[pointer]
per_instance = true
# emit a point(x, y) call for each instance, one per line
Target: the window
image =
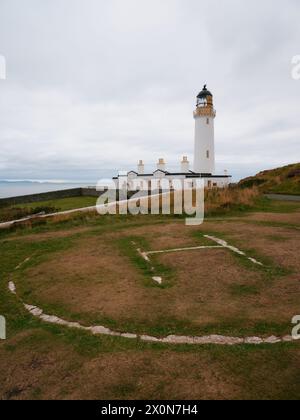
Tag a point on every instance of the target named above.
point(207, 154)
point(207, 120)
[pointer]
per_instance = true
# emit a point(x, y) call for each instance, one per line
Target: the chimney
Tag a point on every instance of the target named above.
point(141, 168)
point(185, 165)
point(161, 165)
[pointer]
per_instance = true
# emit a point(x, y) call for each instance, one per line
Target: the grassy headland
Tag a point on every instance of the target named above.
point(285, 180)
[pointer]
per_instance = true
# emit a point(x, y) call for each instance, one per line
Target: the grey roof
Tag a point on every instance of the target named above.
point(189, 174)
point(160, 170)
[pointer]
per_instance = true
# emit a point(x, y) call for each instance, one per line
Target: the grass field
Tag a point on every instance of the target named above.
point(64, 204)
point(86, 268)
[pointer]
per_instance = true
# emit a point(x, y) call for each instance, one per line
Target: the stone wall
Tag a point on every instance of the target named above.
point(90, 192)
point(52, 195)
point(55, 195)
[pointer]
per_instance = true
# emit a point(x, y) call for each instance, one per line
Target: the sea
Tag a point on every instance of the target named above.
point(14, 188)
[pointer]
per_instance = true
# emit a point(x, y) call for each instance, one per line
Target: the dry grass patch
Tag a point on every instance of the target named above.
point(43, 366)
point(220, 200)
point(166, 236)
point(49, 235)
point(94, 282)
point(204, 278)
point(278, 298)
point(262, 240)
point(212, 291)
point(90, 278)
point(291, 218)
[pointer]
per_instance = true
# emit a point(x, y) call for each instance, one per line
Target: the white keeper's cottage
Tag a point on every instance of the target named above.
point(204, 152)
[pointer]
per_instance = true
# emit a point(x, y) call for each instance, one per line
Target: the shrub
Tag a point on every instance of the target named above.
point(252, 182)
point(220, 200)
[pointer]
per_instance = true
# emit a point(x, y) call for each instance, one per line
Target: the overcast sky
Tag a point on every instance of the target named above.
point(94, 85)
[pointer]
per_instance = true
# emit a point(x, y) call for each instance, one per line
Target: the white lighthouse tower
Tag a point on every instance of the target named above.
point(204, 152)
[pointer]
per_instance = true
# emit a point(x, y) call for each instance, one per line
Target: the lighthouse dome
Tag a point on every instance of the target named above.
point(204, 93)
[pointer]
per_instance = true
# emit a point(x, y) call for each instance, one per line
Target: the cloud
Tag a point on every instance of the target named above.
point(93, 86)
